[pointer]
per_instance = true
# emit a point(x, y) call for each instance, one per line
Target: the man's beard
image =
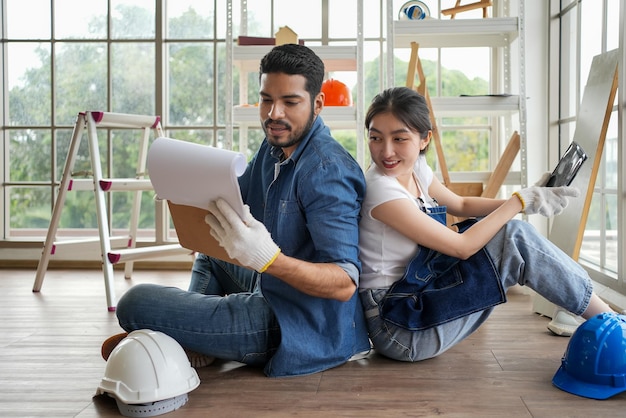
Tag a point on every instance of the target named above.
point(294, 137)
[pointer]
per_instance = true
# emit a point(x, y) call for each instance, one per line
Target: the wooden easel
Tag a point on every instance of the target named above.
point(471, 189)
point(458, 8)
point(591, 126)
point(416, 65)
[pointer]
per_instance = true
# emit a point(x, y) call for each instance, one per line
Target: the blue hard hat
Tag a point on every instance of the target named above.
point(594, 363)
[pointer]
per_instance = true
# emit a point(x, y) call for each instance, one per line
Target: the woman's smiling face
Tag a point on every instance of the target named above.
point(393, 146)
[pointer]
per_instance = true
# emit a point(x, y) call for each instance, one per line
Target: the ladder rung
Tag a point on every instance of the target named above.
point(80, 184)
point(131, 254)
point(125, 184)
point(121, 241)
point(122, 120)
point(109, 185)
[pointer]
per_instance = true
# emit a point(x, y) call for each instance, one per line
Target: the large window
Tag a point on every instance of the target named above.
point(168, 58)
point(123, 56)
point(588, 28)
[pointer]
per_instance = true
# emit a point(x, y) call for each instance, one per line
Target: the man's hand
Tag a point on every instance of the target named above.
point(546, 201)
point(245, 240)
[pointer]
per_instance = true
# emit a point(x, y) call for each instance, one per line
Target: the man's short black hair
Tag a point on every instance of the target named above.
point(295, 59)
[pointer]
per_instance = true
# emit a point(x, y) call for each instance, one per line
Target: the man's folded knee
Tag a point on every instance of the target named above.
point(133, 299)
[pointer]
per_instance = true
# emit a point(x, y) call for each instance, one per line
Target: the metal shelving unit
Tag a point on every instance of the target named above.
point(505, 36)
point(336, 58)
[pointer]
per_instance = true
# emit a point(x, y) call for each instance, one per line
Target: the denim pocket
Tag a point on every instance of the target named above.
point(291, 227)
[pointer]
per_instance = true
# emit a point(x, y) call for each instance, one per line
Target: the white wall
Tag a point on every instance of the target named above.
point(537, 13)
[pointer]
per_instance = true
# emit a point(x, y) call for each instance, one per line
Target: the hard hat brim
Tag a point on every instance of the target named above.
point(152, 409)
point(567, 383)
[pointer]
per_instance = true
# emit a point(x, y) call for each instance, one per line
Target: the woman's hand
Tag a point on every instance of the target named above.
point(546, 201)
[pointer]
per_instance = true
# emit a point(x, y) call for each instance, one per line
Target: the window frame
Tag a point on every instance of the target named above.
point(566, 43)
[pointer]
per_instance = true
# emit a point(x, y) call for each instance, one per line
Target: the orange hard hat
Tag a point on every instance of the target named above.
point(336, 93)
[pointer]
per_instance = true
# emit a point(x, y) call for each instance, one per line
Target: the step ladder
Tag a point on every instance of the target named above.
point(114, 249)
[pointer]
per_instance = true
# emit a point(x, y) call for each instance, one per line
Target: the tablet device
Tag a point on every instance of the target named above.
point(568, 166)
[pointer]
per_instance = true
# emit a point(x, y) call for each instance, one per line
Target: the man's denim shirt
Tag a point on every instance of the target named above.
point(310, 203)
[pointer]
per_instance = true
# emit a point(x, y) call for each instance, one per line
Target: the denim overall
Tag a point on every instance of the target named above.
point(437, 288)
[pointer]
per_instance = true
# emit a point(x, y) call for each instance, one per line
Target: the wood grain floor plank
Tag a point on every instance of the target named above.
point(50, 365)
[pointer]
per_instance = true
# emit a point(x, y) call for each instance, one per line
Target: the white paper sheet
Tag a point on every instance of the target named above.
point(194, 175)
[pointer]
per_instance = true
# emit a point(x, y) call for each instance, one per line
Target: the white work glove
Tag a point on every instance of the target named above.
point(245, 240)
point(546, 201)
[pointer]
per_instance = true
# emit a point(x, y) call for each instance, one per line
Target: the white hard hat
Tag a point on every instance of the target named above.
point(148, 374)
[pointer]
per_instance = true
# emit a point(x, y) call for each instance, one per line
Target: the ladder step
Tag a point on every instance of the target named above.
point(120, 241)
point(123, 120)
point(125, 184)
point(80, 184)
point(130, 254)
point(109, 185)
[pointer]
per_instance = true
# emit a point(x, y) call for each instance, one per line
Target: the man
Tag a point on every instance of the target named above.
point(295, 309)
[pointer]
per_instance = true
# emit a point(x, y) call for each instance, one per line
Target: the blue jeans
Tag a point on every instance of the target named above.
point(222, 315)
point(522, 256)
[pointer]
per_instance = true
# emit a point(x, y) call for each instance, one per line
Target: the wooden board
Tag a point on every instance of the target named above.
point(50, 365)
point(466, 189)
point(591, 127)
point(458, 8)
point(415, 65)
point(502, 168)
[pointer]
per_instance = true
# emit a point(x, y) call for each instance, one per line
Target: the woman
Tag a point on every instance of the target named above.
point(425, 287)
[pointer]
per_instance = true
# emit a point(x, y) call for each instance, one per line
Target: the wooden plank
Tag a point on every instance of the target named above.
point(459, 8)
point(410, 74)
point(422, 89)
point(502, 168)
point(466, 189)
point(51, 365)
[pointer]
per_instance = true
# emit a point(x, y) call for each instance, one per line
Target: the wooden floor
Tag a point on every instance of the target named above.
point(50, 365)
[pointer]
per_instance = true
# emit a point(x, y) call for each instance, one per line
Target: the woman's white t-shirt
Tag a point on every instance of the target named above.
point(385, 252)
